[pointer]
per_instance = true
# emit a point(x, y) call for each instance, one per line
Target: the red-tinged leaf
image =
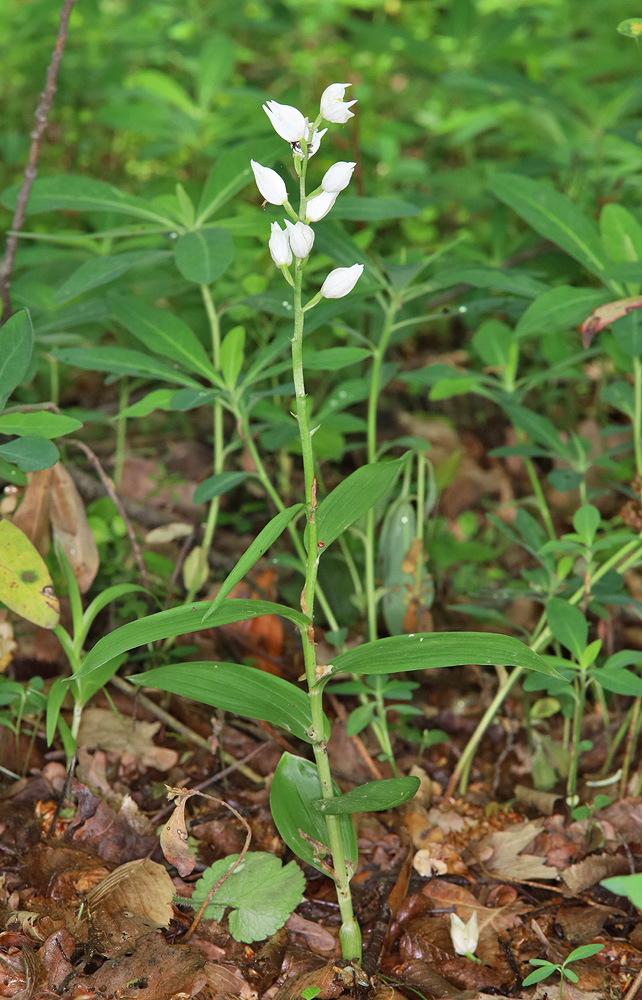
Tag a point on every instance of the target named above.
point(607, 314)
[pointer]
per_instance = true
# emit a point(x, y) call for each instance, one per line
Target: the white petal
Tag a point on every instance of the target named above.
point(341, 281)
point(319, 206)
point(288, 122)
point(270, 184)
point(337, 177)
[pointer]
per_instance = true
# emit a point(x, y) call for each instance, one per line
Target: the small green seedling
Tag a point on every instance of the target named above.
point(547, 968)
point(310, 992)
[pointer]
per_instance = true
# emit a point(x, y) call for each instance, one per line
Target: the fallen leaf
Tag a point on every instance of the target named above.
point(174, 836)
point(71, 528)
point(100, 727)
point(500, 853)
point(493, 921)
point(592, 870)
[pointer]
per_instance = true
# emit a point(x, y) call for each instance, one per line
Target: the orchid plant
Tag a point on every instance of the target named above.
point(311, 813)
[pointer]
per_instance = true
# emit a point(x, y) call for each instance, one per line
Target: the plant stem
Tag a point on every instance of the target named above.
point(350, 934)
point(637, 415)
point(121, 430)
point(200, 574)
point(373, 401)
point(633, 551)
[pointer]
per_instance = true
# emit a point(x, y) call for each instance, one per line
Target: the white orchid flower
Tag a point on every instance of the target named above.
point(279, 245)
point(301, 238)
point(319, 206)
point(271, 186)
point(337, 177)
point(464, 935)
point(341, 281)
point(288, 122)
point(333, 108)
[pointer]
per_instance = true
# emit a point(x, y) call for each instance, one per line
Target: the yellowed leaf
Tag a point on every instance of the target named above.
point(25, 583)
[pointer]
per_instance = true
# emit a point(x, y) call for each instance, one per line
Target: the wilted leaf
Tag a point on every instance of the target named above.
point(100, 727)
point(174, 836)
point(34, 511)
point(501, 854)
point(69, 522)
point(607, 314)
point(25, 583)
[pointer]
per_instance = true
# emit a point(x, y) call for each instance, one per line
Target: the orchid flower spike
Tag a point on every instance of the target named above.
point(333, 108)
point(288, 122)
point(279, 245)
point(270, 184)
point(341, 281)
point(313, 140)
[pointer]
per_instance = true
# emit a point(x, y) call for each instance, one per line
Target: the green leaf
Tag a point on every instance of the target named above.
point(16, 344)
point(586, 521)
point(176, 621)
point(159, 399)
point(190, 399)
point(269, 534)
point(618, 681)
point(234, 688)
point(493, 342)
point(374, 796)
point(231, 361)
point(82, 194)
point(294, 792)
point(436, 649)
point(165, 87)
point(353, 497)
point(162, 332)
point(562, 308)
point(102, 270)
point(30, 453)
point(203, 255)
point(539, 974)
point(38, 422)
point(331, 359)
point(632, 28)
point(626, 885)
point(123, 361)
point(568, 625)
point(261, 892)
point(538, 428)
point(25, 583)
point(553, 216)
point(231, 172)
point(373, 209)
point(565, 479)
point(584, 951)
point(396, 535)
point(359, 718)
point(621, 234)
point(218, 484)
point(55, 697)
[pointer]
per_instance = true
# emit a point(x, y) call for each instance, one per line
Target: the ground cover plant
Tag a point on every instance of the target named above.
point(356, 470)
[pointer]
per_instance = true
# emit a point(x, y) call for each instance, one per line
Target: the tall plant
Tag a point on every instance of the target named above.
point(312, 815)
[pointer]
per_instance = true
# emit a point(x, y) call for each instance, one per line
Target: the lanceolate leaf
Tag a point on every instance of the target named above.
point(235, 688)
point(354, 496)
point(16, 343)
point(204, 254)
point(123, 361)
point(162, 332)
point(102, 270)
point(272, 530)
point(436, 649)
point(82, 194)
point(373, 796)
point(293, 795)
point(553, 216)
point(47, 425)
point(176, 621)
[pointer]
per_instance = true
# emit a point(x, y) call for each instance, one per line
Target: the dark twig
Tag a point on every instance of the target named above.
point(31, 170)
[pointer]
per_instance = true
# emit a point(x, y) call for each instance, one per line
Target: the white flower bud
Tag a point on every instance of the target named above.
point(341, 281)
point(279, 245)
point(301, 238)
point(337, 177)
point(271, 186)
point(287, 121)
point(319, 206)
point(464, 936)
point(333, 108)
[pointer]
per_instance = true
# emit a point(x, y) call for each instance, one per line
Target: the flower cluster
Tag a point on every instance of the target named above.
point(297, 239)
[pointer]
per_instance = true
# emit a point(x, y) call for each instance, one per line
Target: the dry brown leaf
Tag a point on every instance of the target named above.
point(500, 853)
point(493, 922)
point(174, 836)
point(70, 525)
point(33, 514)
point(592, 870)
point(141, 887)
point(317, 937)
point(100, 727)
point(225, 980)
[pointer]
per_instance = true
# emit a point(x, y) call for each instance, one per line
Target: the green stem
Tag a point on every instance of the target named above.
point(121, 430)
point(637, 415)
point(537, 490)
point(200, 573)
point(632, 550)
point(571, 784)
point(350, 935)
point(373, 402)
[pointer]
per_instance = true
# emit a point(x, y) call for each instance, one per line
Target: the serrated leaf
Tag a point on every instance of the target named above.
point(261, 892)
